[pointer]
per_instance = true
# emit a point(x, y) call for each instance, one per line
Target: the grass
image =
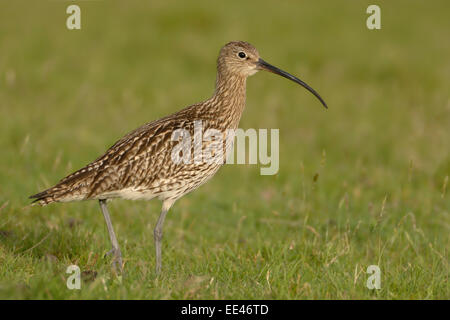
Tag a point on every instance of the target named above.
point(364, 183)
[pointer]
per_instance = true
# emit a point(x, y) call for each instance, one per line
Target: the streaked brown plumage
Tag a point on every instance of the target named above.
point(139, 166)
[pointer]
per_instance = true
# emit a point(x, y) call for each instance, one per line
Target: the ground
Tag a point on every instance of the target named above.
point(363, 183)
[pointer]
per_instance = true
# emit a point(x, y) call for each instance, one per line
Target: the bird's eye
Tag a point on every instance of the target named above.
point(241, 55)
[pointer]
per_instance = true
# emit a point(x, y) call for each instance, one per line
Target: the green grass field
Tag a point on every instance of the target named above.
point(364, 183)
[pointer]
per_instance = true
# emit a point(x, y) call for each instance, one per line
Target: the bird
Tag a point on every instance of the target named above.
point(140, 166)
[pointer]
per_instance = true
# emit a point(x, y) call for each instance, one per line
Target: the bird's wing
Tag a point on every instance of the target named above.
point(122, 163)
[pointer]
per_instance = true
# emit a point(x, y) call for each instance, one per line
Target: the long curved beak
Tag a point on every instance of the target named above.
point(268, 67)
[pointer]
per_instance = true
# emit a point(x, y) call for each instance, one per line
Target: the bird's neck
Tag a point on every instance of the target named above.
point(229, 98)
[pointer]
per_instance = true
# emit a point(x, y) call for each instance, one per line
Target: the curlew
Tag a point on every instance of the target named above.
point(141, 165)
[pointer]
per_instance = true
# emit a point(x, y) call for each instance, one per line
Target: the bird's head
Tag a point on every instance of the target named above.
point(242, 59)
point(238, 57)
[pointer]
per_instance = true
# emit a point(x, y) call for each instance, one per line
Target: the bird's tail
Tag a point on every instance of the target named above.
point(43, 198)
point(72, 188)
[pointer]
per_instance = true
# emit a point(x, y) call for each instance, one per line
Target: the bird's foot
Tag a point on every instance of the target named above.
point(116, 259)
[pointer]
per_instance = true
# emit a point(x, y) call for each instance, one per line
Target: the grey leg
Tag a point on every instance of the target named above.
point(158, 233)
point(117, 255)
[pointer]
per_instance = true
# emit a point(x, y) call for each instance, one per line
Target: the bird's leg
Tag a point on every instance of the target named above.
point(158, 233)
point(117, 255)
